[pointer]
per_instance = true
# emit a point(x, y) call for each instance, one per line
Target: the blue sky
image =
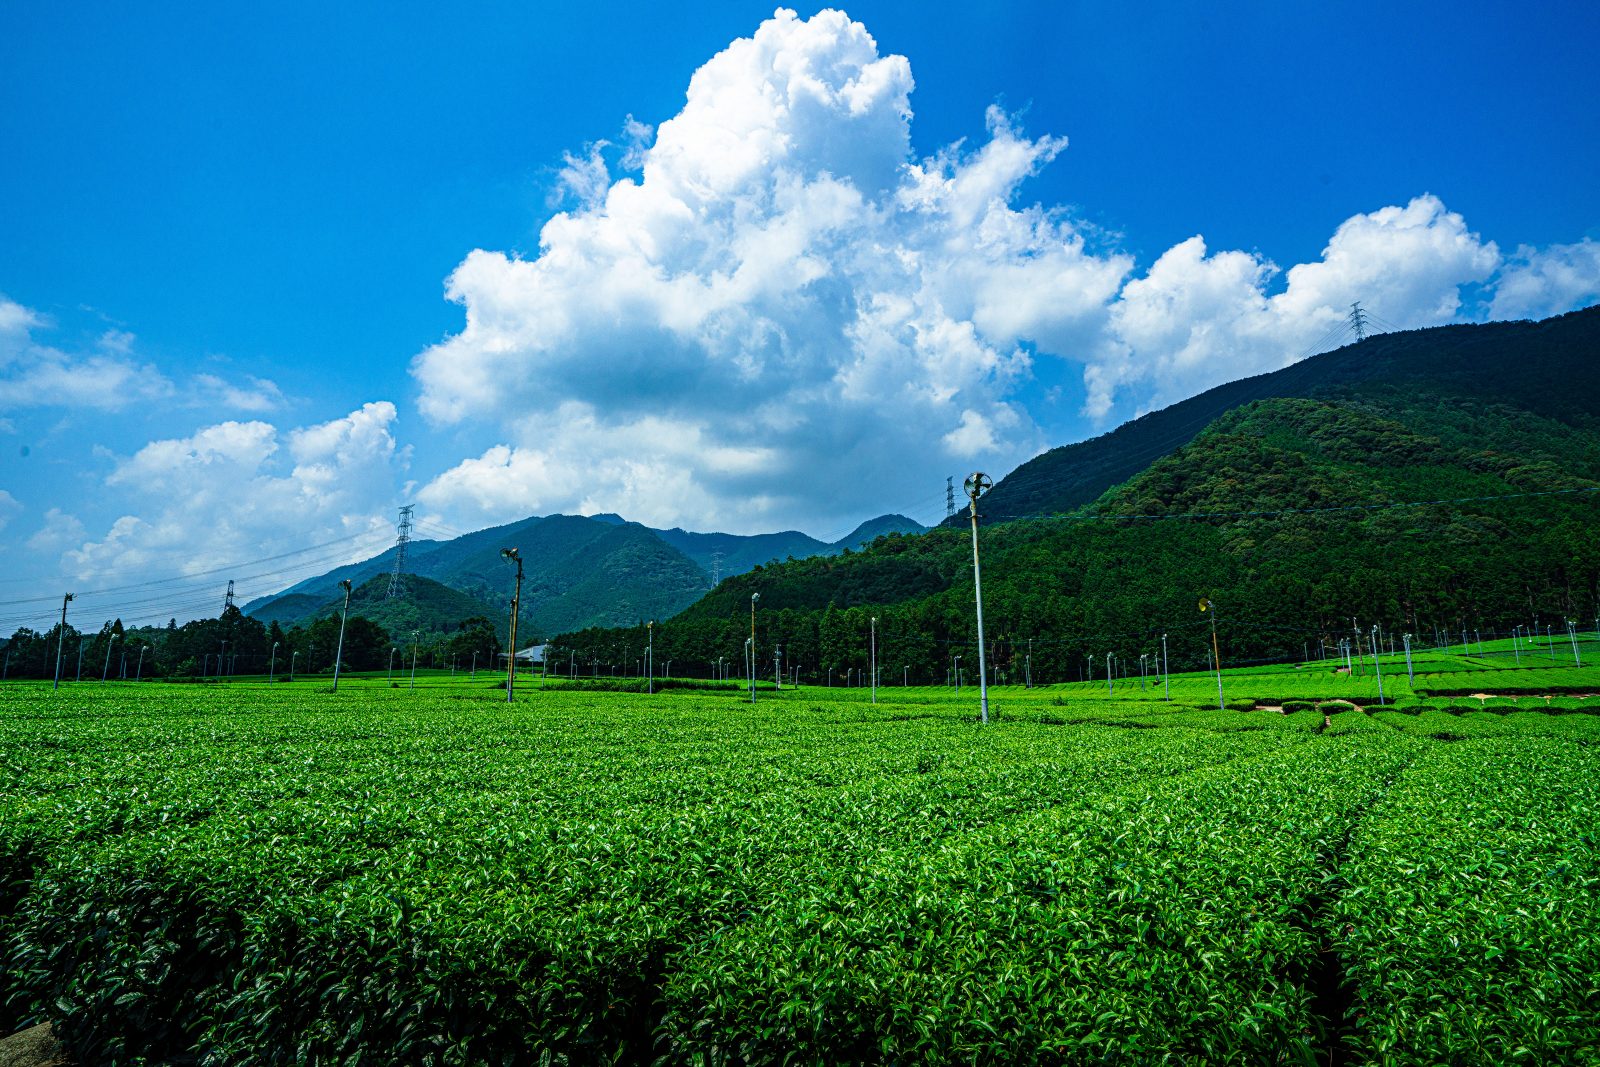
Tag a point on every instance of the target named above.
point(225, 239)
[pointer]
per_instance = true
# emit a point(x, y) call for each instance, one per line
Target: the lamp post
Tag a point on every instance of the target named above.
point(511, 555)
point(754, 597)
point(976, 484)
point(339, 653)
point(1216, 653)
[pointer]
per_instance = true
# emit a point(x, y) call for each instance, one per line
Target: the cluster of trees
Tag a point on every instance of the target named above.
point(234, 644)
point(1278, 513)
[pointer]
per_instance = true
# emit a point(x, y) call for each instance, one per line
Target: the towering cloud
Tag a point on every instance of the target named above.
point(780, 315)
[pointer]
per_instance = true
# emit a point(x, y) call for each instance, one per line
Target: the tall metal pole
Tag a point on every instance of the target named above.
point(1572, 632)
point(392, 650)
point(649, 655)
point(272, 668)
point(61, 640)
point(976, 485)
point(1110, 685)
point(1166, 675)
point(292, 657)
point(513, 556)
point(107, 668)
point(1027, 665)
point(1377, 663)
point(414, 634)
point(1216, 651)
point(138, 670)
point(754, 597)
point(339, 654)
point(750, 666)
point(874, 659)
point(1411, 675)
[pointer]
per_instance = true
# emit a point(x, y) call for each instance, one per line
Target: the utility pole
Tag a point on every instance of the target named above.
point(61, 640)
point(1166, 674)
point(1216, 653)
point(510, 555)
point(875, 659)
point(339, 655)
point(976, 485)
point(751, 658)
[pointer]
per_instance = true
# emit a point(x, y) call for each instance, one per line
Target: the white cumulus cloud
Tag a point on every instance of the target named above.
point(238, 491)
point(776, 312)
point(1535, 283)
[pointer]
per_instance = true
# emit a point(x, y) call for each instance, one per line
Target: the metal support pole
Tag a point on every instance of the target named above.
point(976, 485)
point(1377, 663)
point(874, 659)
point(1410, 674)
point(61, 640)
point(1166, 676)
point(513, 556)
point(339, 653)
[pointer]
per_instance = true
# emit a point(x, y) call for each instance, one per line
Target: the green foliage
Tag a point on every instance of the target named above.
point(280, 875)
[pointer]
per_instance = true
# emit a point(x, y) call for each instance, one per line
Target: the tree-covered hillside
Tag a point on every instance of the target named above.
point(1543, 367)
point(1294, 515)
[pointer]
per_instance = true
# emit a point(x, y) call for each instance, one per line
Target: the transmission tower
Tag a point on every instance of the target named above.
point(401, 540)
point(227, 601)
point(716, 569)
point(949, 496)
point(1358, 321)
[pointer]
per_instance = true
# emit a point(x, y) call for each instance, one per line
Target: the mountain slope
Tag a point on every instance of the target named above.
point(1551, 374)
point(423, 604)
point(1292, 514)
point(578, 571)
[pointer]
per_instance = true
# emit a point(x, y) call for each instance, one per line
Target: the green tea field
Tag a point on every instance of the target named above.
point(245, 874)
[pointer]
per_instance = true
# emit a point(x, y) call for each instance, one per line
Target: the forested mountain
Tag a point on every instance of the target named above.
point(1293, 514)
point(578, 571)
point(1544, 367)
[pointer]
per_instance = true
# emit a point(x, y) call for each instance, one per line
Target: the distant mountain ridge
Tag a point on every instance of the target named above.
point(579, 571)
